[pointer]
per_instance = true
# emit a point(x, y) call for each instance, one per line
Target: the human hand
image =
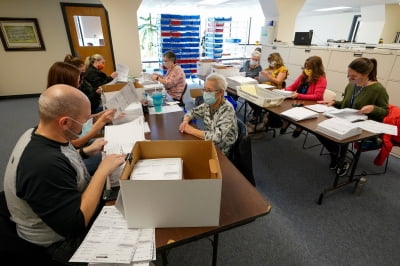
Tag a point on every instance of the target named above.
point(110, 163)
point(329, 103)
point(154, 77)
point(367, 109)
point(114, 75)
point(294, 95)
point(98, 91)
point(183, 125)
point(107, 116)
point(96, 146)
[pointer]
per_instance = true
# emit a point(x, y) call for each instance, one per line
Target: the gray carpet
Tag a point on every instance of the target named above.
point(347, 229)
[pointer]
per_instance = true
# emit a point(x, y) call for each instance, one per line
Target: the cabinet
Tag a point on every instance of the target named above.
point(181, 34)
point(214, 37)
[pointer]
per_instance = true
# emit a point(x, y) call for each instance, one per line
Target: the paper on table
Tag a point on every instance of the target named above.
point(319, 108)
point(283, 92)
point(348, 114)
point(166, 109)
point(251, 89)
point(299, 113)
point(377, 127)
point(110, 241)
point(158, 169)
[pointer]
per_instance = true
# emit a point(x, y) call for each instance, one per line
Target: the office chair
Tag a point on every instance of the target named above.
point(15, 249)
point(181, 103)
point(241, 154)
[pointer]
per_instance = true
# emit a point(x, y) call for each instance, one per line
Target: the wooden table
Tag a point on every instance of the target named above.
point(310, 125)
point(241, 203)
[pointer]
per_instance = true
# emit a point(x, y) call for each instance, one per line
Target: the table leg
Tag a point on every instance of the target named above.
point(215, 249)
point(164, 258)
point(336, 184)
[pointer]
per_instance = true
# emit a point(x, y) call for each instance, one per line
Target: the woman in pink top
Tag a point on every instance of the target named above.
point(175, 80)
point(310, 85)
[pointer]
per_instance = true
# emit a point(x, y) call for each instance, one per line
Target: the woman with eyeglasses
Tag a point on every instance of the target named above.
point(174, 80)
point(309, 85)
point(220, 124)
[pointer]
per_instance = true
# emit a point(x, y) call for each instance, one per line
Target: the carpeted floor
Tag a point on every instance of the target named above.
point(347, 229)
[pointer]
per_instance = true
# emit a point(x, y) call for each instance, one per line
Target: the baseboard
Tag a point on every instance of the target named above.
point(19, 96)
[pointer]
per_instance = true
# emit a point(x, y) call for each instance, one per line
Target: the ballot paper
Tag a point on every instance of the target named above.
point(122, 99)
point(348, 114)
point(109, 240)
point(377, 127)
point(338, 128)
point(283, 92)
point(158, 169)
point(299, 113)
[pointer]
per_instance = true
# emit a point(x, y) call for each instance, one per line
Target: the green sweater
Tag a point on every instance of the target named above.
point(374, 94)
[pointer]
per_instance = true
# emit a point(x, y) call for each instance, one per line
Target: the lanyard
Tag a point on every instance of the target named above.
point(356, 93)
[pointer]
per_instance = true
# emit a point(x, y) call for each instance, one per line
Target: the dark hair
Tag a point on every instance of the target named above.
point(365, 66)
point(170, 55)
point(315, 64)
point(74, 60)
point(258, 49)
point(63, 73)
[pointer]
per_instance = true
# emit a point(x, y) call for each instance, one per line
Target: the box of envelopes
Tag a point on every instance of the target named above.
point(191, 201)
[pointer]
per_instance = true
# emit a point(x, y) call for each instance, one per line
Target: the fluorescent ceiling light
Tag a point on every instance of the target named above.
point(211, 2)
point(332, 8)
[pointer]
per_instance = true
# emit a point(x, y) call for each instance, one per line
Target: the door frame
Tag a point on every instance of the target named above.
point(71, 45)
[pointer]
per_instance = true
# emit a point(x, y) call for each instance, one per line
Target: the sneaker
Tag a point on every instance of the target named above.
point(342, 171)
point(296, 133)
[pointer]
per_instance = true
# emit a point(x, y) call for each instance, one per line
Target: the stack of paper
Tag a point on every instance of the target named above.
point(110, 242)
point(338, 128)
point(235, 81)
point(299, 113)
point(158, 169)
point(348, 114)
point(284, 93)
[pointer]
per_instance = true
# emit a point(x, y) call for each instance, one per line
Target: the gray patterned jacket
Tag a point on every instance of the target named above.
point(220, 126)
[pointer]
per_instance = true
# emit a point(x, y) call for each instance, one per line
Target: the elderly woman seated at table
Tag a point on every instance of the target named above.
point(219, 117)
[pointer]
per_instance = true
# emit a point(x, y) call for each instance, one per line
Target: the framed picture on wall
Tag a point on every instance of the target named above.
point(21, 34)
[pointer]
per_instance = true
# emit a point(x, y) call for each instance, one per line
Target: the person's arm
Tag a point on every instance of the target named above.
point(317, 90)
point(92, 194)
point(295, 85)
point(171, 80)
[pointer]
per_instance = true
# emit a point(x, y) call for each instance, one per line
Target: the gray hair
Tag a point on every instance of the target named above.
point(256, 54)
point(219, 79)
point(60, 100)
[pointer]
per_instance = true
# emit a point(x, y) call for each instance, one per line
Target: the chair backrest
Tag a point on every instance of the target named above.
point(329, 95)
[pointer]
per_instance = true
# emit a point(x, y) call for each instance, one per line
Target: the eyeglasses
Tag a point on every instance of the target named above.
point(78, 121)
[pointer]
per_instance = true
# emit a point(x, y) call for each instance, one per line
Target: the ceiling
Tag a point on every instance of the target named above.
point(249, 7)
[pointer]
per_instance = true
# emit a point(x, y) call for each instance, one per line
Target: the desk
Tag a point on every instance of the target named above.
point(310, 125)
point(241, 203)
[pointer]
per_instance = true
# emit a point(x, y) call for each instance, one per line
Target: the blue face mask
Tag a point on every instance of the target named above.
point(209, 97)
point(86, 127)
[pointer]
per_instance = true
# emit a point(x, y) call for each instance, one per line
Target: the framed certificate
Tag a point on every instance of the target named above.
point(21, 34)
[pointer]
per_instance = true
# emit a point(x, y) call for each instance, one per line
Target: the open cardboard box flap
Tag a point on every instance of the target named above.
point(191, 202)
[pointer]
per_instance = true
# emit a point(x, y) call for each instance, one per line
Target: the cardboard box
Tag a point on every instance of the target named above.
point(191, 202)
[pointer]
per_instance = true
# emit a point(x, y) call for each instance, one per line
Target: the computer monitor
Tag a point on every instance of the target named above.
point(303, 38)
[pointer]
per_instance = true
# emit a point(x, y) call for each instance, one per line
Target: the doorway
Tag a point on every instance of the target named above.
point(88, 32)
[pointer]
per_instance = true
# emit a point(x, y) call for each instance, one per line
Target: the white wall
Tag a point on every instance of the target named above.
point(26, 72)
point(335, 26)
point(372, 22)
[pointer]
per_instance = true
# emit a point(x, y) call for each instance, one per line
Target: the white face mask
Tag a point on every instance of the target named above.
point(253, 62)
point(272, 64)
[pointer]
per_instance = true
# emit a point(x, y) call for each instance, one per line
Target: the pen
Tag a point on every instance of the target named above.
point(101, 257)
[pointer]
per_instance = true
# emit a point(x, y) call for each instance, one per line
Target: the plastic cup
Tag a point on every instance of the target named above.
point(157, 101)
